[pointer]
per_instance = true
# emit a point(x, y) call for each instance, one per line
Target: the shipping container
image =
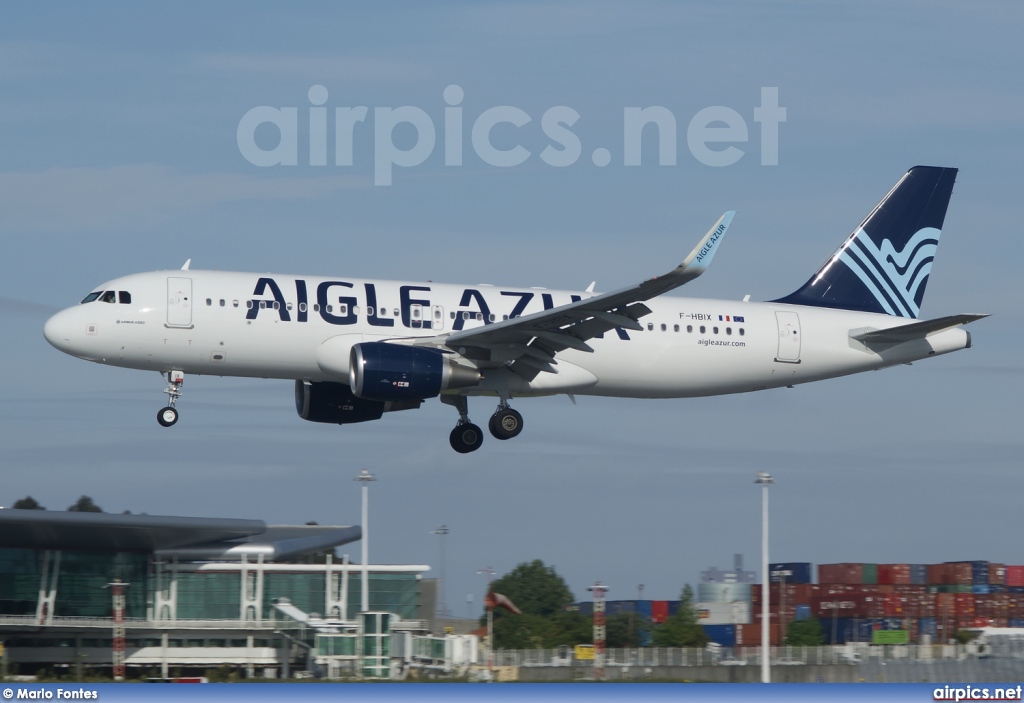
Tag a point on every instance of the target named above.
point(643, 609)
point(790, 572)
point(927, 626)
point(619, 607)
point(1015, 622)
point(723, 613)
point(724, 635)
point(673, 607)
point(750, 635)
point(981, 588)
point(964, 605)
point(1015, 589)
point(997, 574)
point(788, 614)
point(979, 572)
point(659, 611)
point(1015, 576)
point(869, 573)
point(585, 608)
point(795, 593)
point(803, 612)
point(919, 574)
point(894, 574)
point(841, 573)
point(938, 574)
point(910, 588)
point(960, 572)
point(851, 606)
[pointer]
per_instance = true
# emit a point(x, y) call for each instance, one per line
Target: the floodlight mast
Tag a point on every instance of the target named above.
point(599, 589)
point(365, 477)
point(765, 479)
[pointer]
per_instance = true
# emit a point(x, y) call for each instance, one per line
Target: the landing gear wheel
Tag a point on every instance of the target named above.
point(505, 424)
point(167, 417)
point(466, 438)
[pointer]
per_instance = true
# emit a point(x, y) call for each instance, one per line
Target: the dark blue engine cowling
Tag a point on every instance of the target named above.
point(334, 403)
point(389, 372)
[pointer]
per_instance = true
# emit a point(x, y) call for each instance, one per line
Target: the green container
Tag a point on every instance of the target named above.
point(869, 574)
point(890, 637)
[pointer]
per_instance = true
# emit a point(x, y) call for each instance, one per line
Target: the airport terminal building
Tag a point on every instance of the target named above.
point(200, 594)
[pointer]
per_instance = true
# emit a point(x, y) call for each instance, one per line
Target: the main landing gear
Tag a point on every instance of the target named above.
point(168, 416)
point(505, 423)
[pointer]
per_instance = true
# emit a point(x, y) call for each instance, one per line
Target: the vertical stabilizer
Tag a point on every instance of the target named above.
point(884, 265)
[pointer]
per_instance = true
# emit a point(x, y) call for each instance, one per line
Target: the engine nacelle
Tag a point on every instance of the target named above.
point(335, 403)
point(379, 371)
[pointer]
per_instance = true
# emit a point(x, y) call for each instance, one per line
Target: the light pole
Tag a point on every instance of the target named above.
point(365, 477)
point(765, 479)
point(490, 622)
point(442, 609)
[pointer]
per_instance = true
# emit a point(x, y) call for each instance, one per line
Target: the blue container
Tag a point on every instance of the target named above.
point(1016, 622)
point(673, 605)
point(837, 630)
point(790, 572)
point(643, 608)
point(928, 626)
point(617, 607)
point(982, 589)
point(645, 638)
point(979, 572)
point(1015, 589)
point(919, 574)
point(724, 635)
point(803, 612)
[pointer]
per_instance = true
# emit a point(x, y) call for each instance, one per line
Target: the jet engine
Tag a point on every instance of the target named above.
point(394, 372)
point(335, 403)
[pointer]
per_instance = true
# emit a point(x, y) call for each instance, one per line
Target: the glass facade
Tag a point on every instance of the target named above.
point(209, 596)
point(83, 576)
point(19, 581)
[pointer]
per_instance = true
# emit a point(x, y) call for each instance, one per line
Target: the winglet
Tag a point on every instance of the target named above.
point(187, 262)
point(700, 258)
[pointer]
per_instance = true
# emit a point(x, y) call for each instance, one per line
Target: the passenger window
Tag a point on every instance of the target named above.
point(369, 312)
point(383, 312)
point(222, 302)
point(289, 306)
point(465, 316)
point(689, 328)
point(302, 307)
point(263, 304)
point(355, 309)
point(702, 328)
point(741, 331)
point(715, 329)
point(330, 308)
point(479, 316)
point(728, 330)
point(451, 314)
point(492, 318)
point(124, 297)
point(209, 302)
point(248, 304)
point(397, 312)
point(277, 305)
point(234, 303)
point(91, 297)
point(108, 297)
point(316, 307)
point(675, 328)
point(650, 326)
point(664, 327)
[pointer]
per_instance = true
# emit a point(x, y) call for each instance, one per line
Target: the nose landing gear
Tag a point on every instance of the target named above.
point(169, 415)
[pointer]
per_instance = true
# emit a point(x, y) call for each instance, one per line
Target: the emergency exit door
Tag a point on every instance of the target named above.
point(179, 302)
point(789, 337)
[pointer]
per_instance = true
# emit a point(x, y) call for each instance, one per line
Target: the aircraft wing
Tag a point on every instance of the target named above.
point(915, 330)
point(531, 341)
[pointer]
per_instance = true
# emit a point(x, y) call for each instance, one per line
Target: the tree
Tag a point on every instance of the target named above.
point(85, 505)
point(681, 629)
point(27, 503)
point(543, 596)
point(626, 630)
point(805, 633)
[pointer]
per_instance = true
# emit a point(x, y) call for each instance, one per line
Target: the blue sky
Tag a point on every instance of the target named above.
point(119, 154)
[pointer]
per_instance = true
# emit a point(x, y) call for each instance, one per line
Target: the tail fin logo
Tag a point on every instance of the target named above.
point(895, 278)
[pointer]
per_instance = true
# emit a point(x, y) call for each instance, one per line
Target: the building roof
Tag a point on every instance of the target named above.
point(187, 538)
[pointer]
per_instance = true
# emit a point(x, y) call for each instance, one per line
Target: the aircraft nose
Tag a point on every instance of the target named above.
point(57, 330)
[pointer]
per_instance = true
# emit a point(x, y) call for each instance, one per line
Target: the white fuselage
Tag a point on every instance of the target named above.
point(302, 327)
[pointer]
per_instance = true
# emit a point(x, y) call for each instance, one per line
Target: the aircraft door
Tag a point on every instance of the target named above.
point(789, 337)
point(179, 302)
point(438, 317)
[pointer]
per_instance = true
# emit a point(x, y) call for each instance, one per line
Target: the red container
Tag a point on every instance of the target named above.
point(983, 606)
point(659, 611)
point(1015, 575)
point(938, 574)
point(892, 605)
point(793, 593)
point(964, 605)
point(910, 588)
point(997, 574)
point(848, 606)
point(945, 605)
point(841, 573)
point(750, 635)
point(960, 573)
point(893, 574)
point(788, 614)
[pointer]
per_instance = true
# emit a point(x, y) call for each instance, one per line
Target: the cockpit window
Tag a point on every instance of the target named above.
point(124, 297)
point(108, 297)
point(91, 297)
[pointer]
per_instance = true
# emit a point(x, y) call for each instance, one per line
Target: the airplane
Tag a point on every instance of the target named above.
point(358, 348)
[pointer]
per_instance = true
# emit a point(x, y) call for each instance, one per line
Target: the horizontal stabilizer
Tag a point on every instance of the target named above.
point(915, 330)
